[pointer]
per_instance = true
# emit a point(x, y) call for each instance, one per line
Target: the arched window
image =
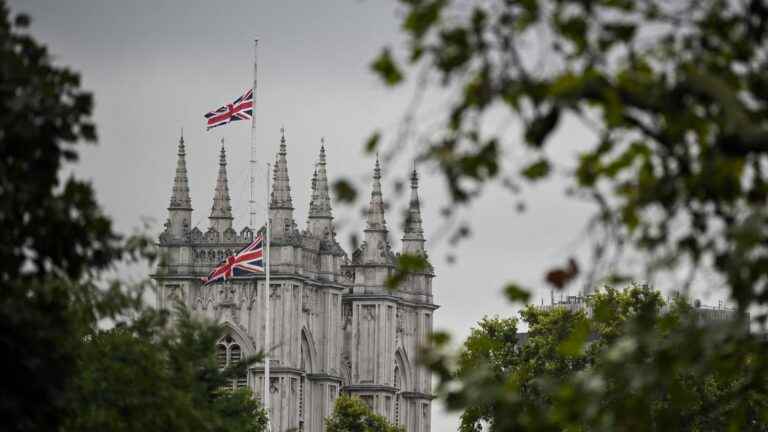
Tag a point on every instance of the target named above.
point(229, 353)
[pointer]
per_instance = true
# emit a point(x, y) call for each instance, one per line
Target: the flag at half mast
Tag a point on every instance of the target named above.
point(240, 109)
point(249, 259)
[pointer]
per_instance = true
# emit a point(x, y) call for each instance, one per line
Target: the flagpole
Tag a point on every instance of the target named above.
point(252, 201)
point(252, 222)
point(267, 328)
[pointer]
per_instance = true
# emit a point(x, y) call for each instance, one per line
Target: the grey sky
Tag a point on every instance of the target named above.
point(157, 66)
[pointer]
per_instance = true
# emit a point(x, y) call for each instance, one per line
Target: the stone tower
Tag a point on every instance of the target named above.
point(383, 328)
point(335, 327)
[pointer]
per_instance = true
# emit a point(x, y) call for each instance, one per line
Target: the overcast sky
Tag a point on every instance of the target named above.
point(157, 66)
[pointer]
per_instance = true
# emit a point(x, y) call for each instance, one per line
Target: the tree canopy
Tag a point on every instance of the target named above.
point(564, 374)
point(62, 370)
point(351, 414)
point(149, 375)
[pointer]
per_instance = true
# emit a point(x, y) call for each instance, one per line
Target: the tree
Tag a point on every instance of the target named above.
point(675, 95)
point(350, 414)
point(565, 358)
point(61, 369)
point(148, 375)
point(54, 233)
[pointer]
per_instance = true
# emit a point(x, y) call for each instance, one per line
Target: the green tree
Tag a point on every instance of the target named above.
point(350, 414)
point(569, 355)
point(147, 375)
point(675, 93)
point(53, 232)
point(61, 371)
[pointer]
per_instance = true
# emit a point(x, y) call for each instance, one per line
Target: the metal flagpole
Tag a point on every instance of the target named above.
point(252, 222)
point(252, 201)
point(267, 329)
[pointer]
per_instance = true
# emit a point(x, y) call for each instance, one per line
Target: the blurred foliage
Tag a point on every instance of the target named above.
point(675, 93)
point(149, 375)
point(406, 264)
point(591, 369)
point(351, 414)
point(61, 370)
point(676, 96)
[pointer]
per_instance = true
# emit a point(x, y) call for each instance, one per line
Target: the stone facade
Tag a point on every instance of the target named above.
point(335, 326)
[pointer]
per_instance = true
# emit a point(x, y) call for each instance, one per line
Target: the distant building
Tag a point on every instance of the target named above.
point(581, 302)
point(335, 326)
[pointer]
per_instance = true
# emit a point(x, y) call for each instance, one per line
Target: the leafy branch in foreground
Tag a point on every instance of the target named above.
point(675, 96)
point(62, 370)
point(677, 164)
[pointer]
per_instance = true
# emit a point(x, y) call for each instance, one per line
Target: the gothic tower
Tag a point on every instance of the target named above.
point(335, 327)
point(180, 209)
point(385, 327)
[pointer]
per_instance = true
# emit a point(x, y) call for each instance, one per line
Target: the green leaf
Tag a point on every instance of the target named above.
point(621, 31)
point(537, 170)
point(406, 264)
point(423, 15)
point(517, 294)
point(539, 129)
point(386, 68)
point(345, 192)
point(372, 143)
point(574, 345)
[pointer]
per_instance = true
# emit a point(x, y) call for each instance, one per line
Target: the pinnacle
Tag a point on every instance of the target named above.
point(377, 169)
point(180, 198)
point(281, 188)
point(222, 208)
point(376, 220)
point(413, 221)
point(320, 207)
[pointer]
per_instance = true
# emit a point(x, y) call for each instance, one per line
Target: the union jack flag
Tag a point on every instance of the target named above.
point(248, 260)
point(240, 109)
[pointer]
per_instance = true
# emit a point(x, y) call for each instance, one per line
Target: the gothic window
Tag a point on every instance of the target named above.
point(229, 353)
point(221, 356)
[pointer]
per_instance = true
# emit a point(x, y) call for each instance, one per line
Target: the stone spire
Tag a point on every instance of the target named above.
point(180, 208)
point(281, 188)
point(375, 221)
point(180, 199)
point(320, 215)
point(221, 211)
point(322, 204)
point(376, 248)
point(281, 204)
point(413, 237)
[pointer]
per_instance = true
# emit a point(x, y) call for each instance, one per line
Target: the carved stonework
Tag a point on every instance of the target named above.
point(369, 313)
point(306, 298)
point(346, 316)
point(173, 293)
point(274, 291)
point(333, 322)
